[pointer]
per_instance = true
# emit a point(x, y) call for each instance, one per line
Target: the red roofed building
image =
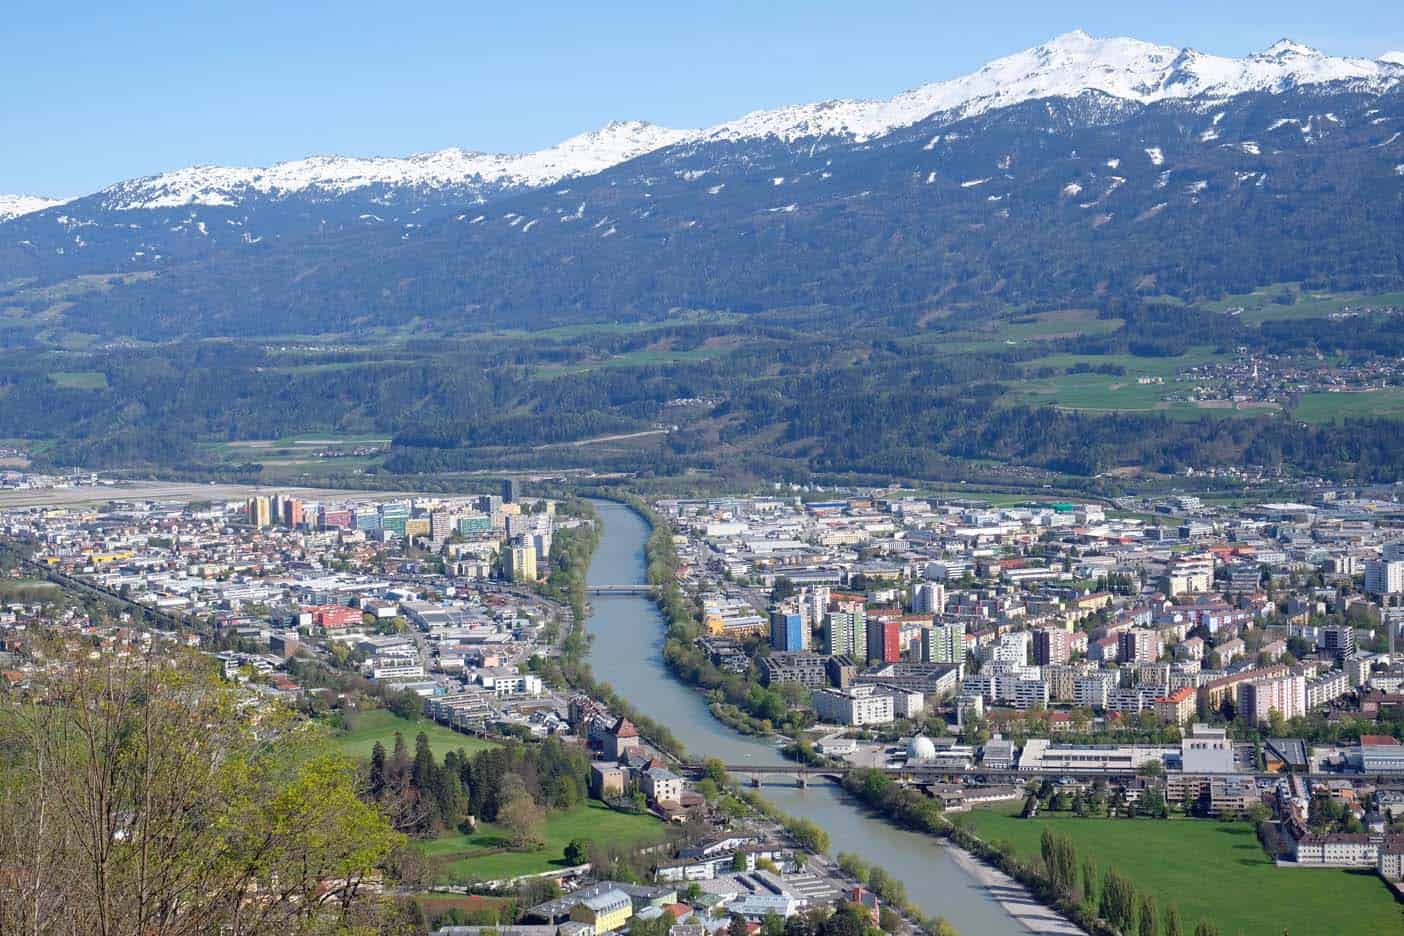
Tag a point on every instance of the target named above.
point(621, 738)
point(1177, 708)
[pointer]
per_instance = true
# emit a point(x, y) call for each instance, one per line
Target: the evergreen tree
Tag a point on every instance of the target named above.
point(1148, 925)
point(377, 771)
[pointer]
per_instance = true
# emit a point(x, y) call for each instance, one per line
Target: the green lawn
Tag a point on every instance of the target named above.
point(1330, 407)
point(381, 725)
point(1215, 871)
point(465, 858)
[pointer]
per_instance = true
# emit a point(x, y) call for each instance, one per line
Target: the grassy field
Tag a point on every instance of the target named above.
point(79, 380)
point(1215, 871)
point(1331, 407)
point(472, 856)
point(380, 725)
point(1261, 306)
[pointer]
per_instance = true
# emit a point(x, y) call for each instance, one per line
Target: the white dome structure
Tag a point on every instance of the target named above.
point(920, 750)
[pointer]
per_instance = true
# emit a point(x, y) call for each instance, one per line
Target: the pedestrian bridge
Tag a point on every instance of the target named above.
point(618, 589)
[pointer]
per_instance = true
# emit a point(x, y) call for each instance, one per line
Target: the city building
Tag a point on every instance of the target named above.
point(884, 640)
point(788, 631)
point(943, 643)
point(1285, 695)
point(856, 706)
point(1052, 645)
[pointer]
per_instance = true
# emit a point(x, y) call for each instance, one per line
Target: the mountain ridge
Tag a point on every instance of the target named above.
point(1066, 66)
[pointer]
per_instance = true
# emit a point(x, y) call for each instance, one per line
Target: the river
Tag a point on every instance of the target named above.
point(627, 653)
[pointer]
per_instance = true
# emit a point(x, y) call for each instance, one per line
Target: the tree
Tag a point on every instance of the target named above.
point(1172, 922)
point(1147, 917)
point(737, 926)
point(772, 924)
point(1205, 928)
point(524, 819)
point(140, 798)
point(1118, 901)
point(577, 851)
point(738, 861)
point(376, 782)
point(798, 925)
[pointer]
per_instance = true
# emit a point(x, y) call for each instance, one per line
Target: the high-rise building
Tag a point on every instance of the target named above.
point(846, 633)
point(1051, 645)
point(509, 490)
point(521, 563)
point(788, 632)
point(1259, 698)
point(884, 641)
point(393, 517)
point(1338, 639)
point(1384, 576)
point(813, 602)
point(1138, 645)
point(292, 512)
point(943, 643)
point(260, 511)
point(928, 598)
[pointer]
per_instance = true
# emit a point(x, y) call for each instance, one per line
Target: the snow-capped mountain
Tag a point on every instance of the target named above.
point(1168, 113)
point(13, 206)
point(331, 176)
point(1066, 67)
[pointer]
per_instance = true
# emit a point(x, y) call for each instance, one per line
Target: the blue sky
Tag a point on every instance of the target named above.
point(100, 94)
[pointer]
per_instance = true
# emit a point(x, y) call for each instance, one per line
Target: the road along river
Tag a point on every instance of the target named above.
point(628, 654)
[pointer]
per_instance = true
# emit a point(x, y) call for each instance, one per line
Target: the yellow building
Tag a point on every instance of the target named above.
point(260, 512)
point(606, 912)
point(521, 563)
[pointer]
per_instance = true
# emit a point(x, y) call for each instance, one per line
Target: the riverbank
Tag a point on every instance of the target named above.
point(1014, 897)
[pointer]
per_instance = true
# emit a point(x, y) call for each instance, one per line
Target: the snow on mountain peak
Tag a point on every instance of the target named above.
point(1065, 67)
point(224, 186)
point(12, 206)
point(1283, 48)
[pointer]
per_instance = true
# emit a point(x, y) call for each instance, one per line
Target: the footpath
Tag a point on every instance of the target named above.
point(1015, 898)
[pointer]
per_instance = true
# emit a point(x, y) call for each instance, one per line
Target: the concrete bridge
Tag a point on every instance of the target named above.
point(618, 589)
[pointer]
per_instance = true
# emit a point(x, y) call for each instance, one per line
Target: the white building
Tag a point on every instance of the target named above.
point(1206, 750)
point(857, 705)
point(1384, 576)
point(1285, 695)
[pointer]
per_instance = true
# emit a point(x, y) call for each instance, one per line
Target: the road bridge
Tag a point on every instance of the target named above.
point(619, 589)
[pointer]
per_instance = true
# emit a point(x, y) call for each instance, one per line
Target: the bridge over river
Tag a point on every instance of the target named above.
point(619, 590)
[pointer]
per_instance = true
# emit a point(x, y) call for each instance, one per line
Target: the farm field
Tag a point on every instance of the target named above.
point(380, 725)
point(1215, 871)
point(472, 856)
point(1332, 407)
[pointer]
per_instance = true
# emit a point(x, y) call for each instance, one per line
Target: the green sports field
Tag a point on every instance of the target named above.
point(1214, 871)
